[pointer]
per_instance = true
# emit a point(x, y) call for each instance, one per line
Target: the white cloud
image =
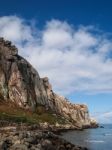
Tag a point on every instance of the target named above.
point(15, 29)
point(62, 37)
point(74, 59)
point(103, 117)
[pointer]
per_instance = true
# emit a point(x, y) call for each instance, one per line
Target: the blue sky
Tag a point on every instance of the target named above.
point(79, 60)
point(87, 12)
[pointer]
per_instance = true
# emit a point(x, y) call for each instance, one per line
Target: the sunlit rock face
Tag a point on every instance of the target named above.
point(21, 84)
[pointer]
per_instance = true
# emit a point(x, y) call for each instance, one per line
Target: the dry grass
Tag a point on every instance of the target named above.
point(10, 112)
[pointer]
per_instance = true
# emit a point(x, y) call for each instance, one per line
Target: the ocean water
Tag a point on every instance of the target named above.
point(93, 139)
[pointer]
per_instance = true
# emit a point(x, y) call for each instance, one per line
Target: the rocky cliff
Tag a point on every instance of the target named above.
point(20, 83)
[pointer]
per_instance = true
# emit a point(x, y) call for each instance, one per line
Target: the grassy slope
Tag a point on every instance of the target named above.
point(10, 112)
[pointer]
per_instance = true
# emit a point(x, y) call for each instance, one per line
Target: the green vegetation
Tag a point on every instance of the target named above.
point(9, 112)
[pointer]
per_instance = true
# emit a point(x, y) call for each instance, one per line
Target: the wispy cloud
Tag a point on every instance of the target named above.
point(103, 117)
point(74, 59)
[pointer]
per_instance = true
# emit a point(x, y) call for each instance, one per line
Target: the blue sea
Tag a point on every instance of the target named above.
point(93, 139)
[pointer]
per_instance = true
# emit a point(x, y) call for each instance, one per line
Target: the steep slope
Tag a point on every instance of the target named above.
point(20, 83)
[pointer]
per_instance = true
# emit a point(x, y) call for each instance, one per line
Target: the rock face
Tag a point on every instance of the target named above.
point(21, 84)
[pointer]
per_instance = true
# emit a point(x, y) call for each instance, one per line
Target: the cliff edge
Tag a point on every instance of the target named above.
point(21, 84)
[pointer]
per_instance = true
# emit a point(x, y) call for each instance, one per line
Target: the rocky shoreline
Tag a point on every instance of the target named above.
point(32, 138)
point(41, 136)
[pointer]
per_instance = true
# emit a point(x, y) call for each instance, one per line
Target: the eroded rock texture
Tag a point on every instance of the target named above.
point(21, 83)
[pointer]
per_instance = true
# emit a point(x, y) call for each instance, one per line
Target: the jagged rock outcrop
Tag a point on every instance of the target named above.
point(21, 84)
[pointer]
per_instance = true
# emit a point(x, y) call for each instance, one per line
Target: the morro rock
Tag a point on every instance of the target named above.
point(20, 83)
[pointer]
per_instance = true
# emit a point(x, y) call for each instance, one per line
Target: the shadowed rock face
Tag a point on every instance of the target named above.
point(21, 84)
